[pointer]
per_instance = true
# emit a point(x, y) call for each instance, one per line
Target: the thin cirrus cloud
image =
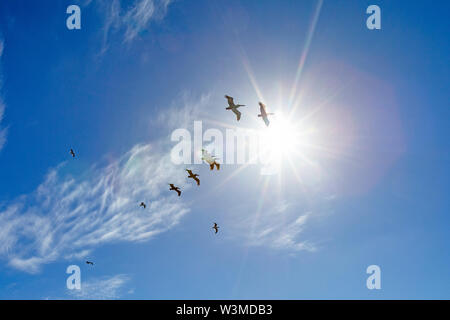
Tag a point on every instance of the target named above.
point(130, 20)
point(105, 288)
point(277, 227)
point(67, 217)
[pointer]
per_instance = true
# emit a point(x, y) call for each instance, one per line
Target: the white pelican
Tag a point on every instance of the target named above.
point(264, 114)
point(210, 159)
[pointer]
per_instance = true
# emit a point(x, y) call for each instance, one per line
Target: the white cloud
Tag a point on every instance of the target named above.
point(132, 19)
point(106, 288)
point(276, 228)
point(184, 111)
point(66, 217)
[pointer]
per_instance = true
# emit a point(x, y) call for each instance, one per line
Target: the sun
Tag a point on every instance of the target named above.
point(281, 140)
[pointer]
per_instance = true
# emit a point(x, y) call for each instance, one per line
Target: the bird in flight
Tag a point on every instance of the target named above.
point(264, 114)
point(72, 153)
point(216, 227)
point(210, 159)
point(143, 205)
point(193, 176)
point(172, 187)
point(89, 262)
point(233, 107)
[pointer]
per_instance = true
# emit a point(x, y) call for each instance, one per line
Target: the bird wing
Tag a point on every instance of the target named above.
point(205, 154)
point(197, 180)
point(266, 120)
point(262, 108)
point(230, 100)
point(237, 113)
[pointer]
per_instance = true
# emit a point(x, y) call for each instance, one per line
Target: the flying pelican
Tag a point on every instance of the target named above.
point(210, 159)
point(193, 176)
point(172, 187)
point(233, 107)
point(89, 262)
point(264, 114)
point(216, 227)
point(143, 205)
point(72, 153)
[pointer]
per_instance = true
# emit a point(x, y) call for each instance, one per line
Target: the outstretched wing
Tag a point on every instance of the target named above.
point(266, 120)
point(237, 113)
point(262, 108)
point(230, 100)
point(197, 180)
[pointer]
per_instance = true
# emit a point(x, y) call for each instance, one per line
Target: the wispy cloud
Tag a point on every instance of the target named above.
point(132, 19)
point(3, 131)
point(186, 109)
point(105, 288)
point(66, 217)
point(276, 228)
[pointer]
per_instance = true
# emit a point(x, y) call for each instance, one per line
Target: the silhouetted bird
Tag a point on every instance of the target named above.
point(264, 114)
point(143, 205)
point(172, 187)
point(193, 176)
point(72, 153)
point(233, 107)
point(216, 227)
point(89, 262)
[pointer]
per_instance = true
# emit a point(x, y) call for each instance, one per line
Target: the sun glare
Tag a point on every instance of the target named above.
point(281, 139)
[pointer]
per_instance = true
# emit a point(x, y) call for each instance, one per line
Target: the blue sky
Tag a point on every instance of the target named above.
point(371, 187)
